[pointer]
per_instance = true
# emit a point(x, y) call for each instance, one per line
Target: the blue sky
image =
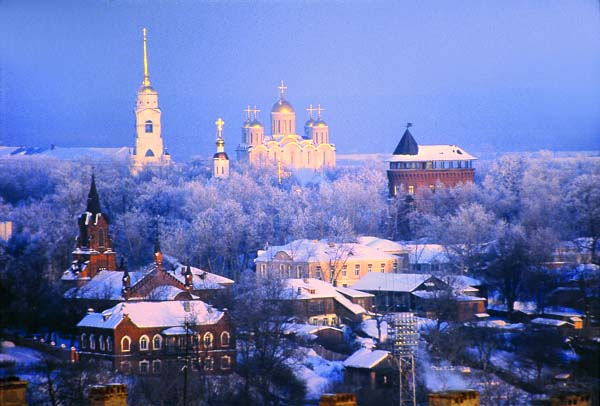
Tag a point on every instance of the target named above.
point(488, 75)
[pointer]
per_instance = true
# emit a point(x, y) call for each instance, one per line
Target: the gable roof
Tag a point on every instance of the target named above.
point(154, 314)
point(366, 359)
point(300, 289)
point(391, 282)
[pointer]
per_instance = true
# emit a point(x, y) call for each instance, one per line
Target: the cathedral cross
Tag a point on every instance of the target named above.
point(319, 110)
point(310, 110)
point(219, 124)
point(282, 88)
point(248, 110)
point(255, 111)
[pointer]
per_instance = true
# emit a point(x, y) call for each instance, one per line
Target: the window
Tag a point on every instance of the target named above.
point(101, 238)
point(298, 271)
point(344, 270)
point(149, 153)
point(357, 270)
point(144, 343)
point(395, 267)
point(148, 127)
point(101, 342)
point(208, 340)
point(92, 342)
point(109, 346)
point(156, 366)
point(432, 187)
point(318, 274)
point(126, 344)
point(224, 339)
point(125, 366)
point(225, 362)
point(144, 367)
point(382, 268)
point(411, 190)
point(370, 268)
point(157, 342)
point(208, 364)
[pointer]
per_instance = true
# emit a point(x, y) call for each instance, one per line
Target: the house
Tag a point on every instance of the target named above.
point(560, 325)
point(427, 258)
point(139, 337)
point(320, 303)
point(339, 263)
point(331, 338)
point(165, 279)
point(394, 291)
point(375, 369)
point(455, 398)
point(446, 305)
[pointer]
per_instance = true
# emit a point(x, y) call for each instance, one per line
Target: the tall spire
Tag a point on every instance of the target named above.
point(146, 77)
point(93, 201)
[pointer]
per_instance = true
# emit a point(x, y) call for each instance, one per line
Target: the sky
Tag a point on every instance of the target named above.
point(511, 75)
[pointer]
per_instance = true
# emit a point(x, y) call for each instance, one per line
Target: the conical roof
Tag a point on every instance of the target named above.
point(93, 201)
point(407, 145)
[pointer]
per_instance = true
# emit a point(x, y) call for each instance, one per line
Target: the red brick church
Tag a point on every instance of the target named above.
point(413, 166)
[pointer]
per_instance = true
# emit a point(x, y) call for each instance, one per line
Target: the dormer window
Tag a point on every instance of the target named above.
point(149, 127)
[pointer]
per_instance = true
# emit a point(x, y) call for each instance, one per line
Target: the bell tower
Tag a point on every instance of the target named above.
point(220, 158)
point(149, 149)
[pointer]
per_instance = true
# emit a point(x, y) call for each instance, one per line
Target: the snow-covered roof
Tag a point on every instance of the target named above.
point(352, 292)
point(154, 314)
point(306, 329)
point(67, 153)
point(201, 279)
point(365, 358)
point(549, 322)
point(389, 246)
point(390, 282)
point(426, 253)
point(322, 251)
point(434, 153)
point(423, 294)
point(106, 285)
point(461, 282)
point(311, 288)
point(561, 311)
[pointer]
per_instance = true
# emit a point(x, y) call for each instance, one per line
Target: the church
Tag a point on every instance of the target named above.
point(284, 148)
point(413, 166)
point(149, 149)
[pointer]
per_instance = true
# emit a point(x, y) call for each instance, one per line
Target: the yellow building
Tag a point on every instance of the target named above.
point(311, 150)
point(149, 149)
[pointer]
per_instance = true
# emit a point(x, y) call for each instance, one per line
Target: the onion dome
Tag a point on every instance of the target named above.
point(247, 123)
point(255, 123)
point(282, 106)
point(309, 123)
point(220, 155)
point(320, 123)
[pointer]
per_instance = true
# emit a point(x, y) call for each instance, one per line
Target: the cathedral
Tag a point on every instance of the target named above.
point(284, 148)
point(149, 149)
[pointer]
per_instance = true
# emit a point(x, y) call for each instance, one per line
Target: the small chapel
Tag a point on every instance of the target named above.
point(284, 148)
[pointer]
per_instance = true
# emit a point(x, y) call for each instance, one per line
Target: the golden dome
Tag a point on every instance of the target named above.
point(255, 123)
point(282, 106)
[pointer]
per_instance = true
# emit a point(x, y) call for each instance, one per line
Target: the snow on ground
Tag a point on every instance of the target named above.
point(318, 373)
point(21, 355)
point(440, 375)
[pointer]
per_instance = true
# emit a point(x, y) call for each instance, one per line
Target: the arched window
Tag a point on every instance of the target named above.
point(208, 364)
point(208, 340)
point(156, 366)
point(101, 238)
point(144, 343)
point(224, 339)
point(225, 362)
point(148, 127)
point(157, 342)
point(149, 153)
point(125, 344)
point(92, 342)
point(144, 367)
point(109, 346)
point(83, 341)
point(101, 342)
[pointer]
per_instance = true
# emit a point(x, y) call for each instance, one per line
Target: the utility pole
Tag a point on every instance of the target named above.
point(406, 338)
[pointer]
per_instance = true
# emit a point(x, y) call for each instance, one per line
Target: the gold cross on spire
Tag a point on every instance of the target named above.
point(319, 110)
point(282, 88)
point(248, 110)
point(146, 77)
point(310, 110)
point(255, 111)
point(219, 124)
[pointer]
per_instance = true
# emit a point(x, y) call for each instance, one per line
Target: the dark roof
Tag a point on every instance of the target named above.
point(407, 145)
point(93, 201)
point(221, 155)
